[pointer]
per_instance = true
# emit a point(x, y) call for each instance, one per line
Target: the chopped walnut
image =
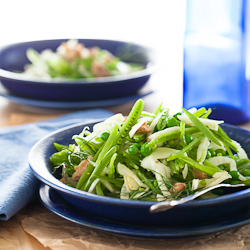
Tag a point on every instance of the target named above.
point(70, 50)
point(93, 52)
point(143, 129)
point(81, 168)
point(178, 186)
point(99, 69)
point(199, 175)
point(63, 180)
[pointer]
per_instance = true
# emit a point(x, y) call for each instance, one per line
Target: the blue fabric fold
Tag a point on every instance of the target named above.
point(18, 185)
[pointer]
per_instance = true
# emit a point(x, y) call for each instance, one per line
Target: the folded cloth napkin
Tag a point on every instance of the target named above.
point(18, 185)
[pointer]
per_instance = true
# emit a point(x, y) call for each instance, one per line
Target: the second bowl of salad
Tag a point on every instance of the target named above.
point(76, 69)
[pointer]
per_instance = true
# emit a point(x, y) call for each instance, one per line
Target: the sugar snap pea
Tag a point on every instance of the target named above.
point(117, 182)
point(99, 189)
point(162, 123)
point(108, 144)
point(132, 118)
point(170, 135)
point(203, 168)
point(199, 112)
point(112, 166)
point(204, 129)
point(100, 167)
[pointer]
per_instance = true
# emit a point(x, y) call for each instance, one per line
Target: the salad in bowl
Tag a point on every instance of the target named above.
point(73, 60)
point(155, 156)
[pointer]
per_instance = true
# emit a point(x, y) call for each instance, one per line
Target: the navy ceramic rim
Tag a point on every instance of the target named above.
point(37, 167)
point(109, 79)
point(60, 207)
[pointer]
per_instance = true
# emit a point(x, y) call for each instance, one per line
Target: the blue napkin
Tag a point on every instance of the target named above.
point(18, 185)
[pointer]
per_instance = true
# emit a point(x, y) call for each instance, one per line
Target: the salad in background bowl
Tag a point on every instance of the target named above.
point(118, 168)
point(72, 60)
point(76, 69)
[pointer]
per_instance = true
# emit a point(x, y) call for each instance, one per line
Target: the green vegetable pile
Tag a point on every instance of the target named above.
point(152, 156)
point(72, 60)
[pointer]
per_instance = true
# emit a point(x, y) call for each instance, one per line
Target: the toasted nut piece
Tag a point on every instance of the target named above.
point(143, 129)
point(199, 175)
point(178, 186)
point(81, 168)
point(70, 50)
point(63, 180)
point(94, 51)
point(99, 69)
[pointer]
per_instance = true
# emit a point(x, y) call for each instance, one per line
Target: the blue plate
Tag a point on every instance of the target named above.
point(56, 204)
point(71, 105)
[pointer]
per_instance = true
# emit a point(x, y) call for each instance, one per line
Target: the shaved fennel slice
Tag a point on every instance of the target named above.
point(185, 171)
point(117, 117)
point(218, 160)
point(138, 125)
point(202, 150)
point(160, 197)
point(241, 152)
point(124, 195)
point(195, 184)
point(152, 164)
point(163, 153)
point(92, 187)
point(192, 110)
point(214, 146)
point(126, 172)
point(161, 184)
point(131, 184)
point(106, 125)
point(159, 170)
point(217, 178)
point(152, 161)
point(212, 124)
point(154, 135)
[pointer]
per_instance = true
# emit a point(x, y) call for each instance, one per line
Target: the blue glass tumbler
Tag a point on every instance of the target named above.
point(215, 48)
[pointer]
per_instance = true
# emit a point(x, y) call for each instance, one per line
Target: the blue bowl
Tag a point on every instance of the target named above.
point(136, 212)
point(13, 59)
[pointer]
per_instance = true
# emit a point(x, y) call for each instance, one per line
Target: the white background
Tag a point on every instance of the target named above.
point(156, 23)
